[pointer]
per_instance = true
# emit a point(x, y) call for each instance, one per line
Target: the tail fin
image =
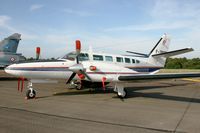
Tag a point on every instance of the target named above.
point(162, 46)
point(10, 44)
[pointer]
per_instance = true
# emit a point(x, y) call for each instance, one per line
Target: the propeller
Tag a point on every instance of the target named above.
point(78, 67)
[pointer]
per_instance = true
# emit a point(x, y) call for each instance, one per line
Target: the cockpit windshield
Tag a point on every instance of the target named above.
point(72, 55)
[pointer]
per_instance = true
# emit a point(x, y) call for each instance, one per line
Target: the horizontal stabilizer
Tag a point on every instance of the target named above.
point(135, 56)
point(158, 76)
point(136, 53)
point(173, 53)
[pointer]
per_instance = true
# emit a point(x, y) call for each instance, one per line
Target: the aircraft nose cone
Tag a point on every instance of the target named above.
point(9, 70)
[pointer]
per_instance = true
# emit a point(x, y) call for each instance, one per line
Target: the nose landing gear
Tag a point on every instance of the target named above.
point(30, 93)
point(76, 84)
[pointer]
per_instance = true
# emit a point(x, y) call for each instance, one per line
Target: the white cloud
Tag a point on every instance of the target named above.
point(28, 36)
point(168, 9)
point(4, 19)
point(36, 7)
point(179, 18)
point(77, 12)
point(167, 15)
point(153, 26)
point(4, 23)
point(55, 39)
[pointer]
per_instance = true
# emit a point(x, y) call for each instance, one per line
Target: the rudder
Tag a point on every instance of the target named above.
point(162, 46)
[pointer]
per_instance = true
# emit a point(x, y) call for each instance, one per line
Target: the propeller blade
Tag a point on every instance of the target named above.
point(78, 47)
point(71, 77)
point(77, 59)
point(37, 53)
point(78, 50)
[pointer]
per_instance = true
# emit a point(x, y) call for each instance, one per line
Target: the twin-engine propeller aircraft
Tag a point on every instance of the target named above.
point(86, 69)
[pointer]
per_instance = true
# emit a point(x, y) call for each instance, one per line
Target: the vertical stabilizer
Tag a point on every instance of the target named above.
point(162, 46)
point(10, 44)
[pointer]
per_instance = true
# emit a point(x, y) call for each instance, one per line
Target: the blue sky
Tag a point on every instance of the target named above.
point(112, 26)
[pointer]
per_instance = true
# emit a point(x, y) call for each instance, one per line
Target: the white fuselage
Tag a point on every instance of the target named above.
point(110, 69)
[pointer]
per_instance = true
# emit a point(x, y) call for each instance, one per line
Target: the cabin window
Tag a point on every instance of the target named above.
point(137, 61)
point(98, 57)
point(109, 58)
point(119, 59)
point(83, 57)
point(133, 60)
point(127, 60)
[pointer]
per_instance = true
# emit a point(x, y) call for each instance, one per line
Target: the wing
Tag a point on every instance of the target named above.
point(157, 76)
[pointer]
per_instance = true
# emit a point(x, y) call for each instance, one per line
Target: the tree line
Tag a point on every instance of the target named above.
point(182, 63)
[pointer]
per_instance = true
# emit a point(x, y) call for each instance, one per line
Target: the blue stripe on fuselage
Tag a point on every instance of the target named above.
point(39, 68)
point(145, 69)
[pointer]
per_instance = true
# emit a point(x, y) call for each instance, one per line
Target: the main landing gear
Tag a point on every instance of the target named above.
point(121, 92)
point(30, 93)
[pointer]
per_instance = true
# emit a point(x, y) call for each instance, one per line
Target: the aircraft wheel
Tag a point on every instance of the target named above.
point(30, 94)
point(124, 94)
point(78, 85)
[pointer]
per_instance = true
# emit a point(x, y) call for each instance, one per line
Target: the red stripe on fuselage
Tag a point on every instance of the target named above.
point(112, 73)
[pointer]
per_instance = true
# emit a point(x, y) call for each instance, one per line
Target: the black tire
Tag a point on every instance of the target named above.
point(79, 85)
point(125, 91)
point(29, 95)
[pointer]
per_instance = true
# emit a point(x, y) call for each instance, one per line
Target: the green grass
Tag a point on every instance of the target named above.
point(179, 70)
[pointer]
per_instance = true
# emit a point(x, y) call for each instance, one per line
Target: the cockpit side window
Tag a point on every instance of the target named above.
point(83, 57)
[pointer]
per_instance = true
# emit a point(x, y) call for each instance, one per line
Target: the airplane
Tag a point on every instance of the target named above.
point(89, 69)
point(8, 49)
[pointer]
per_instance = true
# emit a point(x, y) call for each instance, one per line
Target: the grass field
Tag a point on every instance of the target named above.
point(179, 70)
